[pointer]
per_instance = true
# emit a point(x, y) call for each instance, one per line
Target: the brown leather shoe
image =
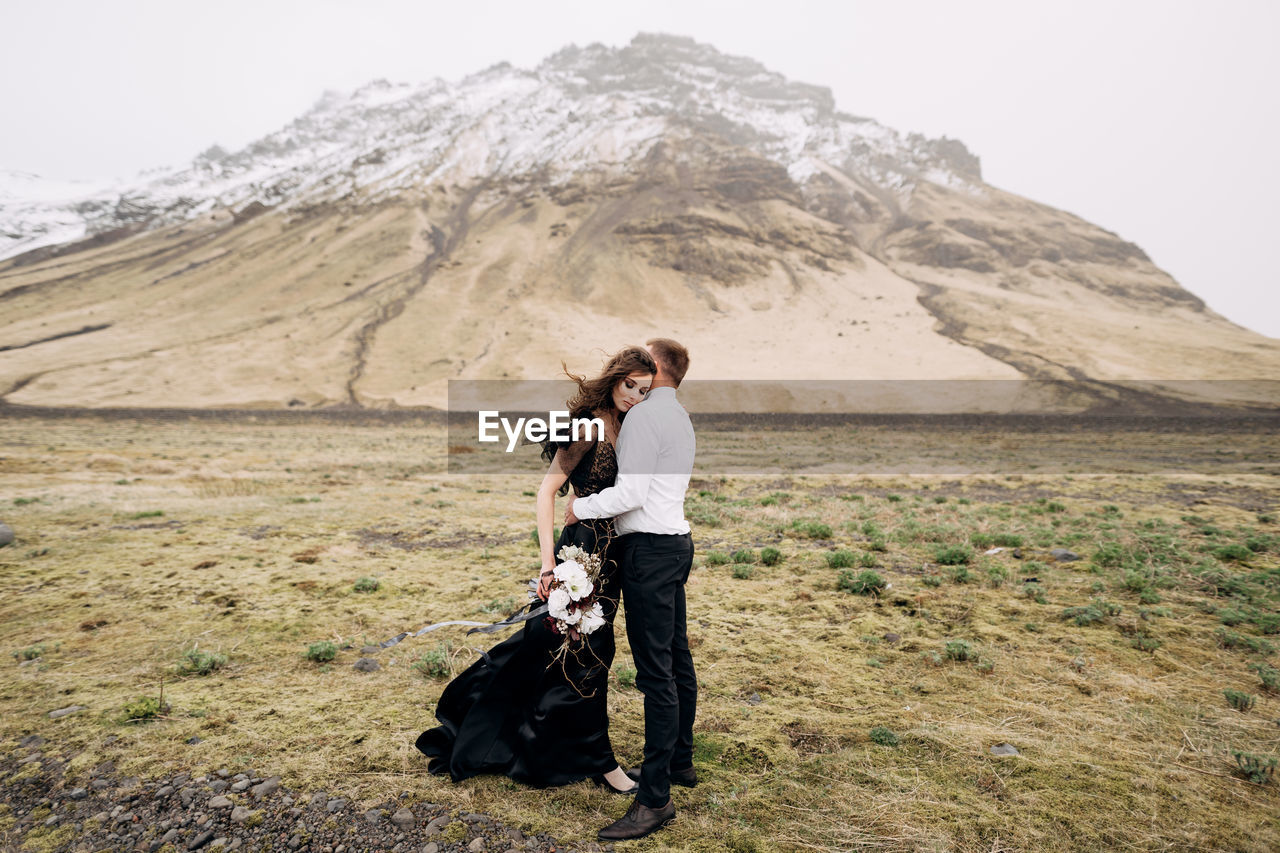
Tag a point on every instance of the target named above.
point(638, 822)
point(686, 778)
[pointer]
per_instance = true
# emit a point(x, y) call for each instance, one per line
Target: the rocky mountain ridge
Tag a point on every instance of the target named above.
point(399, 237)
point(583, 110)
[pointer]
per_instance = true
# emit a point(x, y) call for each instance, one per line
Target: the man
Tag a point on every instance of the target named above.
point(655, 459)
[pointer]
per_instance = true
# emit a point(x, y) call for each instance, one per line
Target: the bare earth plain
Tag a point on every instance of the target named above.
point(834, 714)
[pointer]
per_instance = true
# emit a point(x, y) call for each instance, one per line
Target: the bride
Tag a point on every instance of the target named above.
point(540, 718)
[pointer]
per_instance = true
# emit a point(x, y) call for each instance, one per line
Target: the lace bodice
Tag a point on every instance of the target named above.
point(590, 464)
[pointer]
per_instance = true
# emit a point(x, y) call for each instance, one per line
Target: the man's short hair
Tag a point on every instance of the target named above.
point(672, 356)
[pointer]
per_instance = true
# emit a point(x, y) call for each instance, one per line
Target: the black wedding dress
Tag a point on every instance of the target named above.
point(540, 721)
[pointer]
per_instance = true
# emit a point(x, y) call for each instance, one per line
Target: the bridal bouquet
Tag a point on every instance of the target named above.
point(573, 600)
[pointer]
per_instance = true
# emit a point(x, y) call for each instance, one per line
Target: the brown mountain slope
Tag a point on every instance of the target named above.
point(379, 304)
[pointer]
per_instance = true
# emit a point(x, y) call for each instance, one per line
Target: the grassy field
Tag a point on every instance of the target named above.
point(858, 650)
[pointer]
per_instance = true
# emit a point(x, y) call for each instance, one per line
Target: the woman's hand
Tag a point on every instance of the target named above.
point(544, 582)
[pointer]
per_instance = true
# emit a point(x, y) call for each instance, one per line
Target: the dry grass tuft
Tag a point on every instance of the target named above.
point(226, 487)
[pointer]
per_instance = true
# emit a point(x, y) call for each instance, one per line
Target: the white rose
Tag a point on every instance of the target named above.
point(591, 619)
point(572, 553)
point(570, 569)
point(558, 604)
point(573, 578)
point(579, 588)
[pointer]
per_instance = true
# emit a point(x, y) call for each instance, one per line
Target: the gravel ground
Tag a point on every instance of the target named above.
point(43, 810)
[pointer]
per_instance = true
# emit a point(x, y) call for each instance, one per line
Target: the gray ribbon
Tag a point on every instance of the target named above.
point(480, 627)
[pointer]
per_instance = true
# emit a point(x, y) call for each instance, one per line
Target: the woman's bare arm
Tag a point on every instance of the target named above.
point(551, 484)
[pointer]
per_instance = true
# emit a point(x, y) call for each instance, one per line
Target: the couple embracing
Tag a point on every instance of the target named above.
point(535, 708)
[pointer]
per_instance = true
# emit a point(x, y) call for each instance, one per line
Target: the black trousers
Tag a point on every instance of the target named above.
point(655, 569)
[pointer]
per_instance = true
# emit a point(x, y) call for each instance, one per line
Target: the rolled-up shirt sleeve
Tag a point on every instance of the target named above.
point(638, 449)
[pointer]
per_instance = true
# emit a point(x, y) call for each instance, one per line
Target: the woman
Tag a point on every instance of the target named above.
point(540, 719)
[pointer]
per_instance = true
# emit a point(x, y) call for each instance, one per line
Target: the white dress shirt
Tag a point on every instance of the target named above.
point(655, 459)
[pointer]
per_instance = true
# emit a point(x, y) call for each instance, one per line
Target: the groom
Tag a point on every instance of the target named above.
point(655, 458)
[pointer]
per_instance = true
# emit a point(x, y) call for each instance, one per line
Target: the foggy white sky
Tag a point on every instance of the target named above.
point(1156, 119)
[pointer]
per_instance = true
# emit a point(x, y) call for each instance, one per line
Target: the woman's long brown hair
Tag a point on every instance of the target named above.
point(597, 393)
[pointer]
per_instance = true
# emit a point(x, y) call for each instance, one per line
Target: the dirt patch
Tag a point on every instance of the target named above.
point(427, 539)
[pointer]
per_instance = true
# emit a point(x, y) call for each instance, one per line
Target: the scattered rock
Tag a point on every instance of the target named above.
point(754, 699)
point(6, 535)
point(218, 786)
point(892, 638)
point(1002, 749)
point(366, 665)
point(1062, 555)
point(242, 785)
point(181, 813)
point(193, 740)
point(266, 788)
point(370, 650)
point(62, 712)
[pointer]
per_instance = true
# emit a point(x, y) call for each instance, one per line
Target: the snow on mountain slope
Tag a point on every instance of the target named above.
point(583, 110)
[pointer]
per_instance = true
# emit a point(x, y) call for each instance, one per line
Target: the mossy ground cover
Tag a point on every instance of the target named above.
point(140, 542)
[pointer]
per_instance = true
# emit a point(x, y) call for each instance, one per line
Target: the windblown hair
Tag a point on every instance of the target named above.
point(673, 357)
point(595, 394)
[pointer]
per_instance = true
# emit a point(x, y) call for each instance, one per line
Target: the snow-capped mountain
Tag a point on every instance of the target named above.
point(583, 110)
point(400, 236)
